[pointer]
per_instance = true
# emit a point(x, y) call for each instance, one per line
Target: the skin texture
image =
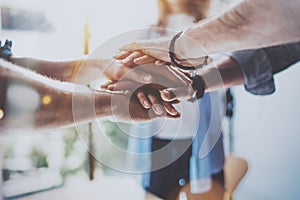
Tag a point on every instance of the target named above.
point(84, 71)
point(248, 25)
point(59, 111)
point(80, 71)
point(221, 73)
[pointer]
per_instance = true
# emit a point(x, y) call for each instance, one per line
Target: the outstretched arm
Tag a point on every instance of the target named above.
point(57, 110)
point(66, 103)
point(63, 70)
point(81, 71)
point(248, 25)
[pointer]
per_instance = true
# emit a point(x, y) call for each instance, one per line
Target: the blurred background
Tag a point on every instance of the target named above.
point(266, 129)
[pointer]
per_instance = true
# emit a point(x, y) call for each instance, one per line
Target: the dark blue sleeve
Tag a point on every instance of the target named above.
point(257, 71)
point(258, 66)
point(283, 56)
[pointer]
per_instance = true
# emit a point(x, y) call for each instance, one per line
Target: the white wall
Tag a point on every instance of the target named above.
point(106, 19)
point(267, 133)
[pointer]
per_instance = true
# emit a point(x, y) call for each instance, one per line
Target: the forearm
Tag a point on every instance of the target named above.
point(225, 74)
point(62, 70)
point(67, 71)
point(55, 101)
point(71, 108)
point(247, 25)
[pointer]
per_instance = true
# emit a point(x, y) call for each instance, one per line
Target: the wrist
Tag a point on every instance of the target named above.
point(189, 48)
point(103, 104)
point(90, 104)
point(186, 63)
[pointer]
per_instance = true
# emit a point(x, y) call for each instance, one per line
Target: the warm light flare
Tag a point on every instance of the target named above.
point(1, 114)
point(46, 99)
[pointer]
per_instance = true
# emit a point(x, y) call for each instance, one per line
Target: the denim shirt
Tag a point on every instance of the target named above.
point(259, 65)
point(207, 148)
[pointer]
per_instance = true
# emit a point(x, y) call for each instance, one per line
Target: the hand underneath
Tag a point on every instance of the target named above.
point(171, 83)
point(128, 107)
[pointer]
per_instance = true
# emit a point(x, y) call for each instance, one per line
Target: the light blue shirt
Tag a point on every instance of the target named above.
point(207, 147)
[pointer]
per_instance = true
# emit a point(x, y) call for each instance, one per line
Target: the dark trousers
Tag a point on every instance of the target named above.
point(167, 182)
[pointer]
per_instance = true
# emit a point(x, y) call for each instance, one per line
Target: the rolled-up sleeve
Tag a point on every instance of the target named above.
point(257, 71)
point(258, 66)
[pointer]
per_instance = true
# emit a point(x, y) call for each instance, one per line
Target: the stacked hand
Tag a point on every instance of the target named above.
point(165, 85)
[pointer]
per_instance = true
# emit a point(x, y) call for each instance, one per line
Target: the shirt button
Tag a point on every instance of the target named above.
point(181, 182)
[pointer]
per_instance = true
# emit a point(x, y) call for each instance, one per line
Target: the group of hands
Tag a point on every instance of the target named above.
point(154, 84)
point(150, 86)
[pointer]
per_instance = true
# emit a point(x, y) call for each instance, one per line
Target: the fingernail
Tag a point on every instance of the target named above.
point(166, 94)
point(173, 112)
point(158, 109)
point(110, 87)
point(146, 104)
point(147, 78)
point(158, 62)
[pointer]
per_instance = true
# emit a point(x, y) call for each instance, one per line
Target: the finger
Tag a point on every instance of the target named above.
point(114, 87)
point(144, 60)
point(160, 62)
point(167, 95)
point(170, 109)
point(156, 106)
point(105, 85)
point(183, 75)
point(172, 94)
point(111, 87)
point(173, 116)
point(120, 55)
point(129, 60)
point(123, 85)
point(143, 100)
point(133, 74)
point(176, 101)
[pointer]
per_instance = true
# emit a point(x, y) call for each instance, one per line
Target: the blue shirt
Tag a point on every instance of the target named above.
point(258, 66)
point(207, 147)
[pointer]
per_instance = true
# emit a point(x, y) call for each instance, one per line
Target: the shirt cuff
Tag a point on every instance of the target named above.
point(257, 71)
point(201, 186)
